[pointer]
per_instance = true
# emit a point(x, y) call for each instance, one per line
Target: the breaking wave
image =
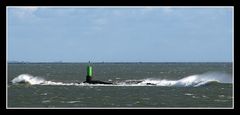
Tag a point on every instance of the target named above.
point(26, 78)
point(193, 80)
point(35, 80)
point(189, 81)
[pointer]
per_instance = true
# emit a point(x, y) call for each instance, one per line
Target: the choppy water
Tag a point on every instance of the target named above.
point(162, 85)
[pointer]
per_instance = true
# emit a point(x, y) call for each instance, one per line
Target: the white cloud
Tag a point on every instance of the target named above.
point(148, 9)
point(25, 12)
point(167, 10)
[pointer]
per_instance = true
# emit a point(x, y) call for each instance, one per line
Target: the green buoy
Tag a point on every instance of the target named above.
point(89, 71)
point(89, 77)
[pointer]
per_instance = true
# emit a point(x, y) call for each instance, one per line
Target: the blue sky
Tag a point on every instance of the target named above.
point(120, 34)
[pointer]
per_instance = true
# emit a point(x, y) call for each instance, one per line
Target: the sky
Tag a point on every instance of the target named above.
point(120, 34)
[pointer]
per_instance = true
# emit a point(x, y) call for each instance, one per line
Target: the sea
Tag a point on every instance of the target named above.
point(135, 85)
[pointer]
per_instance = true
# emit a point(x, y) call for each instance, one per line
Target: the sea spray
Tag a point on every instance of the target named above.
point(189, 81)
point(27, 78)
point(35, 80)
point(192, 80)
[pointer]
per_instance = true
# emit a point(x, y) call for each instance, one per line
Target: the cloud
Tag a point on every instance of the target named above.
point(148, 9)
point(24, 12)
point(167, 9)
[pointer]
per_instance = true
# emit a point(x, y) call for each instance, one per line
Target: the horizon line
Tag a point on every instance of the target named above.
point(120, 62)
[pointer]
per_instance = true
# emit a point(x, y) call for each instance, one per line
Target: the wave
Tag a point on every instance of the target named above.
point(193, 80)
point(35, 80)
point(27, 78)
point(189, 81)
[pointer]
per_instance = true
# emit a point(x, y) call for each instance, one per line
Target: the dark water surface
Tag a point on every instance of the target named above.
point(62, 90)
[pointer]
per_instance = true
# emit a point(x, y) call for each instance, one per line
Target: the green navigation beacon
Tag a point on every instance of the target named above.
point(89, 76)
point(89, 72)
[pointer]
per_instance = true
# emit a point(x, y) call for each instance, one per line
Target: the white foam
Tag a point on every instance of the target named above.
point(189, 81)
point(193, 80)
point(26, 78)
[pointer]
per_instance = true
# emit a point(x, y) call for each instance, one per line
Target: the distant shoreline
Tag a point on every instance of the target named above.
point(110, 62)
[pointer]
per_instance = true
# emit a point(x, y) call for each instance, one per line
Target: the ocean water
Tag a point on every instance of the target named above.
point(135, 85)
